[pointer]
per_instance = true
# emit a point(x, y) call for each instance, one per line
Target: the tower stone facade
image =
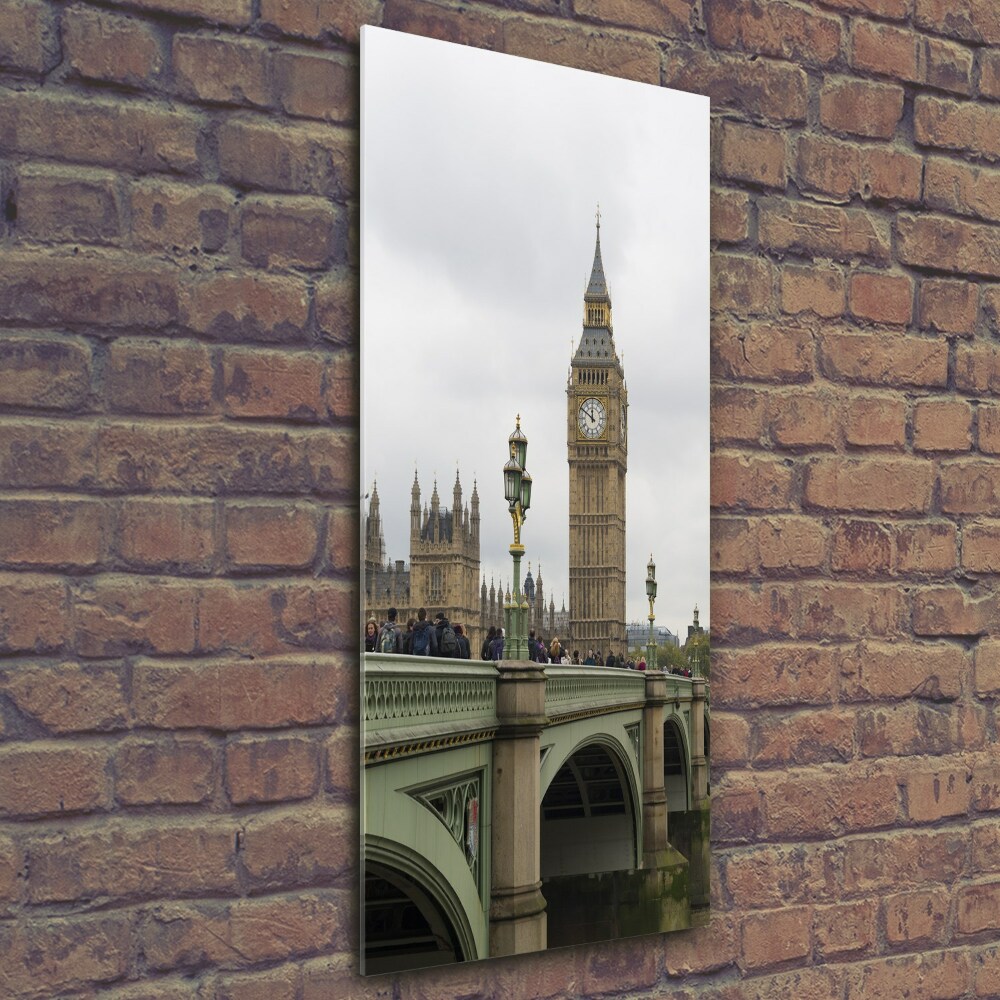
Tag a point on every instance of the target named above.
point(597, 452)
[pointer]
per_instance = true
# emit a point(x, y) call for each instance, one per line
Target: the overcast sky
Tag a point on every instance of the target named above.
point(481, 174)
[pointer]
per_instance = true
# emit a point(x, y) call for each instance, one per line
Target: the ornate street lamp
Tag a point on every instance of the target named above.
point(517, 492)
point(651, 594)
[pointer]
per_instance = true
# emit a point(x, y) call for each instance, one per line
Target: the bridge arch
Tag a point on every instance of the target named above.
point(676, 765)
point(590, 809)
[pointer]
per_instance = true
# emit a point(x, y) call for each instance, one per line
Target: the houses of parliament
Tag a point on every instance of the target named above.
point(444, 566)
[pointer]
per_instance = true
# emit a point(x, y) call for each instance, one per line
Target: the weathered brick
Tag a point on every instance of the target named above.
point(860, 107)
point(337, 304)
point(989, 73)
point(875, 421)
point(986, 783)
point(289, 232)
point(885, 49)
point(877, 671)
point(972, 20)
point(962, 188)
point(942, 425)
point(34, 613)
point(771, 89)
point(123, 135)
point(790, 543)
point(180, 218)
point(156, 533)
point(948, 306)
point(917, 918)
point(756, 155)
point(776, 936)
point(774, 29)
point(736, 815)
point(949, 611)
point(948, 66)
point(299, 159)
point(978, 908)
point(41, 532)
point(281, 983)
point(342, 760)
point(223, 69)
point(323, 18)
point(944, 975)
point(969, 488)
point(829, 167)
point(44, 371)
point(772, 875)
point(981, 547)
point(730, 215)
point(742, 285)
point(741, 482)
point(236, 13)
point(341, 381)
point(159, 377)
point(741, 613)
point(881, 298)
point(988, 668)
point(314, 86)
point(80, 206)
point(274, 384)
point(861, 547)
point(884, 359)
point(812, 289)
point(932, 795)
point(803, 737)
point(342, 540)
point(891, 174)
point(991, 308)
point(133, 859)
point(892, 485)
point(895, 9)
point(964, 126)
point(761, 351)
point(739, 415)
point(822, 230)
point(242, 307)
point(272, 770)
point(29, 38)
point(473, 27)
point(926, 548)
point(806, 421)
point(848, 611)
point(986, 969)
point(299, 846)
point(845, 928)
point(989, 430)
point(113, 49)
point(68, 697)
point(233, 694)
point(771, 675)
point(76, 780)
point(894, 860)
point(165, 772)
point(268, 536)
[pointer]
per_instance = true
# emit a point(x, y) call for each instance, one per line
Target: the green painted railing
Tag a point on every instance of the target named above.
point(574, 689)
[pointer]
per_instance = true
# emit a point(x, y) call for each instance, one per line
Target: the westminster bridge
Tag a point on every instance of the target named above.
point(510, 807)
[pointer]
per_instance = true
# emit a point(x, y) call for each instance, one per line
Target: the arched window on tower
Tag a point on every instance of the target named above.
point(436, 586)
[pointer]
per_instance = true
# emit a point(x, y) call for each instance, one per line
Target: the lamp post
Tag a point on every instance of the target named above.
point(651, 594)
point(517, 491)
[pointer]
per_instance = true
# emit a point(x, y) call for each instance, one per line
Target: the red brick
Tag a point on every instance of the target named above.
point(989, 73)
point(284, 232)
point(112, 133)
point(812, 289)
point(933, 795)
point(299, 159)
point(315, 86)
point(987, 656)
point(774, 29)
point(770, 89)
point(272, 770)
point(802, 737)
point(738, 415)
point(51, 955)
point(163, 533)
point(180, 218)
point(321, 19)
point(740, 613)
point(957, 125)
point(942, 425)
point(859, 107)
point(34, 613)
point(986, 785)
point(566, 44)
point(895, 9)
point(972, 20)
point(168, 378)
point(917, 918)
point(905, 730)
point(881, 298)
point(888, 862)
point(822, 230)
point(49, 372)
point(948, 66)
point(926, 548)
point(135, 859)
point(969, 488)
point(762, 351)
point(885, 49)
point(223, 69)
point(730, 215)
point(75, 780)
point(962, 188)
point(891, 174)
point(341, 381)
point(342, 759)
point(829, 167)
point(776, 936)
point(190, 936)
point(943, 975)
point(875, 421)
point(236, 13)
point(848, 611)
point(756, 155)
point(68, 697)
point(830, 803)
point(981, 547)
point(750, 483)
point(52, 532)
point(80, 207)
point(742, 285)
point(773, 675)
point(342, 540)
point(271, 536)
point(845, 928)
point(733, 547)
point(103, 46)
point(790, 543)
point(165, 772)
point(977, 369)
point(419, 17)
point(989, 429)
point(261, 383)
point(986, 846)
point(949, 611)
point(986, 966)
point(979, 908)
point(731, 744)
point(234, 694)
point(884, 359)
point(861, 547)
point(110, 290)
point(877, 671)
point(298, 846)
point(736, 815)
point(247, 307)
point(991, 308)
point(337, 306)
point(948, 306)
point(806, 421)
point(29, 38)
point(771, 876)
point(273, 984)
point(896, 485)
point(118, 615)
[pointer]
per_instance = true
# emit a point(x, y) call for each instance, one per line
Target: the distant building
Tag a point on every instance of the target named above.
point(638, 635)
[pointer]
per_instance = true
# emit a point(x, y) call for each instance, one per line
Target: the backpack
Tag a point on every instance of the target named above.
point(387, 639)
point(448, 642)
point(421, 640)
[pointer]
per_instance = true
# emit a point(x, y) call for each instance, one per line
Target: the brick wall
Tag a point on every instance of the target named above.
point(178, 334)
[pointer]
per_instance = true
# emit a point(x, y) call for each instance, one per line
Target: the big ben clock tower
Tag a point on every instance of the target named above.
point(597, 451)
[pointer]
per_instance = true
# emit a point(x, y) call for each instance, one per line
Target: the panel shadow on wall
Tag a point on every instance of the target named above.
point(535, 262)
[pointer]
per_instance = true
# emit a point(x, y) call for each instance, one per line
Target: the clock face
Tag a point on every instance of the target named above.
point(592, 418)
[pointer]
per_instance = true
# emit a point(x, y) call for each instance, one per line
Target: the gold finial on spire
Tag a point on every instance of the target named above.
point(598, 215)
